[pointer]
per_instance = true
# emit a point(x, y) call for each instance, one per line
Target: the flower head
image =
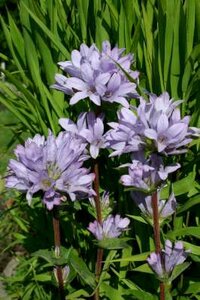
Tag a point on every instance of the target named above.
point(110, 228)
point(146, 174)
point(105, 205)
point(65, 273)
point(164, 263)
point(89, 128)
point(124, 136)
point(165, 207)
point(53, 166)
point(155, 124)
point(96, 75)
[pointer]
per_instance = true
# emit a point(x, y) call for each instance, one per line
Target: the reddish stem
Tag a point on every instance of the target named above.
point(156, 225)
point(57, 243)
point(156, 228)
point(162, 291)
point(96, 188)
point(99, 219)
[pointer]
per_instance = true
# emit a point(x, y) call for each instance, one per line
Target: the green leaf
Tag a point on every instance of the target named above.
point(81, 268)
point(110, 292)
point(52, 37)
point(42, 277)
point(143, 269)
point(190, 231)
point(178, 270)
point(140, 295)
point(180, 187)
point(114, 243)
point(190, 203)
point(193, 248)
point(137, 257)
point(78, 295)
point(49, 256)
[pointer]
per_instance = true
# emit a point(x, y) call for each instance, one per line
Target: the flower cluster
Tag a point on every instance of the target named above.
point(165, 207)
point(164, 263)
point(111, 227)
point(53, 166)
point(146, 174)
point(89, 128)
point(97, 75)
point(155, 124)
point(105, 205)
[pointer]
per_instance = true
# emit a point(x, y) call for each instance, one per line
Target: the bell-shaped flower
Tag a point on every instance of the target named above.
point(155, 124)
point(124, 136)
point(53, 166)
point(89, 128)
point(165, 207)
point(164, 263)
point(111, 227)
point(146, 174)
point(163, 125)
point(96, 75)
point(105, 205)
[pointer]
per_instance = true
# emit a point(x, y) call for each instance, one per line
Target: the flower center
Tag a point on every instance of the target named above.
point(46, 183)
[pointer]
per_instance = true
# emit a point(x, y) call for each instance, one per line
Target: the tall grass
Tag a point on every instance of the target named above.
point(163, 35)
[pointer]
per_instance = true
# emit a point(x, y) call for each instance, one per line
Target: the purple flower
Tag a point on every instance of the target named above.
point(96, 75)
point(163, 124)
point(53, 166)
point(155, 124)
point(164, 263)
point(65, 273)
point(110, 228)
point(105, 201)
point(165, 207)
point(90, 128)
point(124, 136)
point(105, 205)
point(146, 174)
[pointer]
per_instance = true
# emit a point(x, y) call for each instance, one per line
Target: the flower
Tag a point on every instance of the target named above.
point(124, 136)
point(146, 174)
point(111, 227)
point(105, 201)
point(53, 166)
point(105, 205)
point(164, 263)
point(65, 273)
point(165, 207)
point(96, 75)
point(155, 124)
point(90, 128)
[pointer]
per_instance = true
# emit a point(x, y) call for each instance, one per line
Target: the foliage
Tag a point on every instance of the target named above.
point(165, 39)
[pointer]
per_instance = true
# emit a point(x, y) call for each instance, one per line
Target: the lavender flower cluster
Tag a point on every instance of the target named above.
point(53, 166)
point(149, 133)
point(96, 75)
point(111, 226)
point(164, 263)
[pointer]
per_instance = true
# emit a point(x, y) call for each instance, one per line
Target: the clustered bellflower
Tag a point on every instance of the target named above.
point(146, 174)
point(155, 124)
point(53, 166)
point(165, 207)
point(111, 227)
point(89, 128)
point(164, 263)
point(96, 75)
point(148, 132)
